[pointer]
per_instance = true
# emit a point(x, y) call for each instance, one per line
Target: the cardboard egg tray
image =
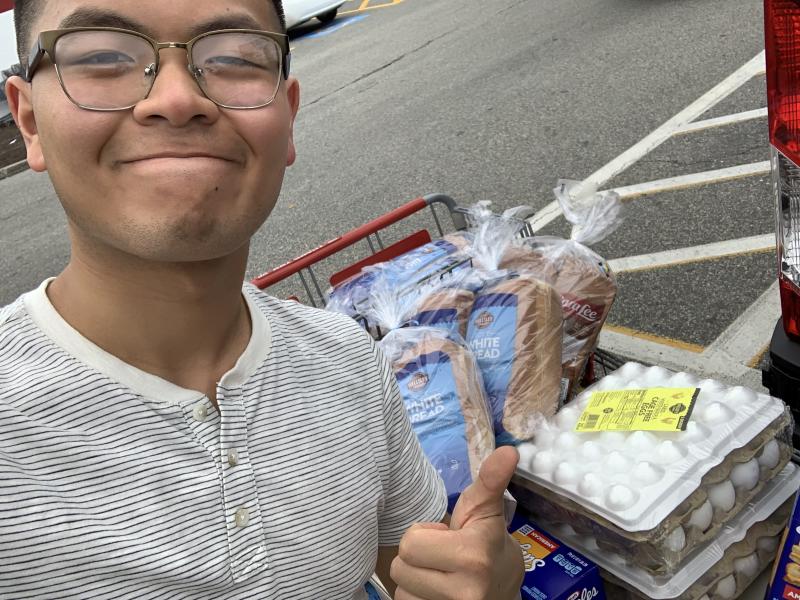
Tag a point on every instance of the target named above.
point(740, 565)
point(723, 567)
point(661, 530)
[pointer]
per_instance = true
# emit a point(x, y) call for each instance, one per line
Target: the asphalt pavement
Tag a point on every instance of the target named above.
point(497, 101)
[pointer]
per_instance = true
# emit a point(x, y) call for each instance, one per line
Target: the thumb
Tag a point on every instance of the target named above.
point(484, 497)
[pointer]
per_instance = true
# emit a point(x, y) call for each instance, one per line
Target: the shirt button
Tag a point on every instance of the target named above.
point(242, 517)
point(200, 412)
point(233, 457)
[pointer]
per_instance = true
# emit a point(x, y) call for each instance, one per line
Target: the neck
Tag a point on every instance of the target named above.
point(184, 322)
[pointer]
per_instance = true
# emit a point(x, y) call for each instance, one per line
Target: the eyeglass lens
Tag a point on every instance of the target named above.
point(110, 69)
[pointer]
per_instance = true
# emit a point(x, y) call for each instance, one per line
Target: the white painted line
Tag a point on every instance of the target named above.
point(748, 334)
point(755, 66)
point(693, 180)
point(741, 117)
point(693, 254)
point(708, 100)
point(649, 352)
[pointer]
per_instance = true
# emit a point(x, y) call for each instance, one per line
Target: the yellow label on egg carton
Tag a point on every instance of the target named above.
point(654, 409)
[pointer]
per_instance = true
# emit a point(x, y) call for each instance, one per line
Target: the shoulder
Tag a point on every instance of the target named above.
point(12, 321)
point(300, 325)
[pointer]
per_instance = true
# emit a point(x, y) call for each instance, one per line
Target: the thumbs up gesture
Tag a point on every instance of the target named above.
point(472, 559)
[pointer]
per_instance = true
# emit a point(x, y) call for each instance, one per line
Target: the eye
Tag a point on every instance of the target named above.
point(104, 58)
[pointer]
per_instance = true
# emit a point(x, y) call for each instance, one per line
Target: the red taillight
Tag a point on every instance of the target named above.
point(782, 45)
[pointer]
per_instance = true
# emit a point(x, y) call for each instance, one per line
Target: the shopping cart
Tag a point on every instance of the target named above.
point(447, 216)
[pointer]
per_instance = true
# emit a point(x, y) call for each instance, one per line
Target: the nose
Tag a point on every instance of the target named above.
point(175, 96)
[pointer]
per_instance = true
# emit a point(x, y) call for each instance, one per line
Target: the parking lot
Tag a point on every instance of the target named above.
point(497, 102)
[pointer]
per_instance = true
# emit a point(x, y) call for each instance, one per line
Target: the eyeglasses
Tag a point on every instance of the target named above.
point(108, 69)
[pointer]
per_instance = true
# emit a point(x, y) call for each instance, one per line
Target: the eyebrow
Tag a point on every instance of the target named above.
point(96, 17)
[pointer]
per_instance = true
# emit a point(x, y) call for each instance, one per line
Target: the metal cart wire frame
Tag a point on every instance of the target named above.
point(303, 265)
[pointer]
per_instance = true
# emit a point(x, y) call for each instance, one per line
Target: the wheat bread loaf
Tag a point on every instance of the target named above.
point(515, 332)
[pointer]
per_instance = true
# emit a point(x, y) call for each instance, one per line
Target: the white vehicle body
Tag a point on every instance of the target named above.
point(300, 11)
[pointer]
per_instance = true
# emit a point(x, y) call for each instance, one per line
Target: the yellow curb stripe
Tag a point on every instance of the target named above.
point(365, 5)
point(651, 337)
point(756, 360)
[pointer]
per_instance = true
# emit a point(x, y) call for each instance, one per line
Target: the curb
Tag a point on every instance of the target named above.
point(13, 169)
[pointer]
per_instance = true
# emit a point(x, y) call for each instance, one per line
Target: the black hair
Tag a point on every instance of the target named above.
point(26, 12)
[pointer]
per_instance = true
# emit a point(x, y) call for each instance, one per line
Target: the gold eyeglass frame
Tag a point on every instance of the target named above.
point(46, 44)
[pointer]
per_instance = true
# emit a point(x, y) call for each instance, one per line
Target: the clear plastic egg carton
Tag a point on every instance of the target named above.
point(653, 497)
point(721, 569)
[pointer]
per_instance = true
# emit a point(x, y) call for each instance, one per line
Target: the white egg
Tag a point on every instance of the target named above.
point(629, 370)
point(647, 473)
point(716, 413)
point(770, 456)
point(683, 380)
point(591, 450)
point(641, 442)
point(676, 540)
point(739, 395)
point(566, 474)
point(526, 454)
point(612, 439)
point(722, 496)
point(747, 565)
point(618, 462)
point(702, 516)
point(656, 376)
point(768, 544)
point(591, 486)
point(726, 588)
point(544, 462)
point(745, 475)
point(567, 440)
point(670, 452)
point(567, 417)
point(620, 497)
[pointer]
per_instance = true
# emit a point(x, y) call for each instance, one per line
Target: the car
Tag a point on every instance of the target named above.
point(299, 11)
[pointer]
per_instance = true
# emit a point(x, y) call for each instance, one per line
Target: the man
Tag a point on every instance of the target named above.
point(164, 432)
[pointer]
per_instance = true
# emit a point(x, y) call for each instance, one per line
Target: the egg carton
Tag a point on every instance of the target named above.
point(721, 569)
point(654, 496)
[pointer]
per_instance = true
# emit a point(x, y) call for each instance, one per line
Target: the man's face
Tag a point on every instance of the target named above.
point(176, 178)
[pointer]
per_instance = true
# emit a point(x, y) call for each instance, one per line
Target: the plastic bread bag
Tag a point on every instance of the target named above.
point(582, 277)
point(351, 296)
point(446, 302)
point(441, 388)
point(515, 332)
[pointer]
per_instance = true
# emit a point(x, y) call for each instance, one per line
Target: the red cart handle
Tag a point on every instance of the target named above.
point(333, 246)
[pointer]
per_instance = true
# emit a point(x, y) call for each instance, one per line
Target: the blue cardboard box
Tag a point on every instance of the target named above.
point(785, 584)
point(554, 571)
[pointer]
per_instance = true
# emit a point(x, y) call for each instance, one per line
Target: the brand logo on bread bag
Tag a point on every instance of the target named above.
point(418, 381)
point(483, 320)
point(574, 307)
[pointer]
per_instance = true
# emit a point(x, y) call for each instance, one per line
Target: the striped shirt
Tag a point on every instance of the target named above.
point(115, 483)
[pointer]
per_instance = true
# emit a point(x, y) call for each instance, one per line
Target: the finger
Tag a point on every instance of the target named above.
point(484, 497)
point(431, 548)
point(423, 583)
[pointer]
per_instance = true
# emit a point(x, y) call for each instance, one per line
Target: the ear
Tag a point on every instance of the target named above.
point(293, 95)
point(20, 101)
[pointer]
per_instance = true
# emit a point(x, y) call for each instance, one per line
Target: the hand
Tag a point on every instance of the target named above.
point(473, 559)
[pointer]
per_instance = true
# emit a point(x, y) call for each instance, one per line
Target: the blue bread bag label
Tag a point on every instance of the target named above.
point(491, 335)
point(429, 391)
point(445, 319)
